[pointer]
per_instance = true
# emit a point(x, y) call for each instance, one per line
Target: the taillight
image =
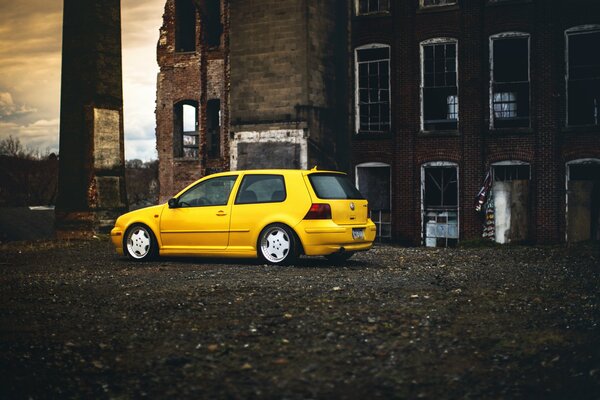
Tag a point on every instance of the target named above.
point(319, 211)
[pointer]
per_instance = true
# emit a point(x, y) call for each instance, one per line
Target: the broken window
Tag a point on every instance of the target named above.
point(185, 25)
point(440, 204)
point(186, 135)
point(213, 28)
point(509, 81)
point(439, 87)
point(512, 172)
point(213, 128)
point(373, 88)
point(583, 76)
point(373, 181)
point(373, 6)
point(432, 3)
point(583, 200)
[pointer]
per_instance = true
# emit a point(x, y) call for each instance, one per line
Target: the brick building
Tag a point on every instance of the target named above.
point(446, 91)
point(428, 103)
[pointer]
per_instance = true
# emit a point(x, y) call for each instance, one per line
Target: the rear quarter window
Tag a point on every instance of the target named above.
point(261, 189)
point(333, 186)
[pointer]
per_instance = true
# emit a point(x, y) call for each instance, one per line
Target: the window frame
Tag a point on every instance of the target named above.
point(378, 12)
point(179, 131)
point(234, 179)
point(241, 189)
point(492, 39)
point(576, 30)
point(357, 121)
point(422, 4)
point(422, 45)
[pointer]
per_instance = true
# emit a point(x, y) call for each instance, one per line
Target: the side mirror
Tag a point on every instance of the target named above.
point(173, 203)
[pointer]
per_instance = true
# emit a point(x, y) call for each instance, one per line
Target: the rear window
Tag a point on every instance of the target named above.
point(333, 186)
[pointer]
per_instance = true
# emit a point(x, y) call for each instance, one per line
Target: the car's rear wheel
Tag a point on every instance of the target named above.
point(277, 244)
point(140, 243)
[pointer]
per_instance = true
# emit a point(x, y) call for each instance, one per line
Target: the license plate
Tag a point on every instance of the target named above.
point(358, 233)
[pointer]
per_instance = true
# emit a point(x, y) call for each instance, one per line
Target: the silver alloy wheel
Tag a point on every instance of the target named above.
point(138, 242)
point(275, 244)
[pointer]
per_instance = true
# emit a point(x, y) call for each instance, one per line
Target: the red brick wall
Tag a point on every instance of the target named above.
point(546, 146)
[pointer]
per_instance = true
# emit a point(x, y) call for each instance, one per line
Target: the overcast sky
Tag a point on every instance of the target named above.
point(30, 59)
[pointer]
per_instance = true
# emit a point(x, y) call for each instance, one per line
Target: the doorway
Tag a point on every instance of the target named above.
point(439, 193)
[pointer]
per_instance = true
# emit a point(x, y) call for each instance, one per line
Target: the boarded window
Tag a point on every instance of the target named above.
point(439, 86)
point(185, 130)
point(583, 78)
point(373, 6)
point(213, 28)
point(213, 128)
point(510, 82)
point(583, 201)
point(185, 25)
point(373, 81)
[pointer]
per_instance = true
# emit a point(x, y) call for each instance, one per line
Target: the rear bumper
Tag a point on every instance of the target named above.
point(324, 237)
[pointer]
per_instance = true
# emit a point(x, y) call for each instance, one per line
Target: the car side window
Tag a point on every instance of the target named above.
point(212, 192)
point(261, 189)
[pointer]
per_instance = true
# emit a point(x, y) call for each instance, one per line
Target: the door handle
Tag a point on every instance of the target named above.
point(221, 213)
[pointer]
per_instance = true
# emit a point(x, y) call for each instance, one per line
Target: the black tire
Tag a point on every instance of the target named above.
point(338, 258)
point(277, 244)
point(139, 243)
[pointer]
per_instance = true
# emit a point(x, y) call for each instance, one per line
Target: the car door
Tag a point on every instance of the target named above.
point(199, 220)
point(258, 201)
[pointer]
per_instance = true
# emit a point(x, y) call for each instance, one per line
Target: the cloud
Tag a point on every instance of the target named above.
point(41, 135)
point(8, 107)
point(30, 72)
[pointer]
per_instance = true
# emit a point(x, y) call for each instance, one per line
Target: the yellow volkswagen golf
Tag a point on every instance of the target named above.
point(275, 215)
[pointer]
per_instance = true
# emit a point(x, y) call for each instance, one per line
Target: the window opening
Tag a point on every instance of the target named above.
point(583, 200)
point(212, 192)
point(212, 23)
point(440, 206)
point(508, 173)
point(185, 130)
point(373, 6)
point(373, 88)
point(507, 214)
point(261, 189)
point(583, 77)
point(185, 25)
point(439, 88)
point(374, 183)
point(433, 3)
point(213, 128)
point(510, 81)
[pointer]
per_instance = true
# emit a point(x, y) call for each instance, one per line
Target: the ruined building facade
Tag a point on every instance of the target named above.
point(250, 85)
point(436, 107)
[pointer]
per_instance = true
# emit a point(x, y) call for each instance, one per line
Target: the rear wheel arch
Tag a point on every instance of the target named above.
point(274, 251)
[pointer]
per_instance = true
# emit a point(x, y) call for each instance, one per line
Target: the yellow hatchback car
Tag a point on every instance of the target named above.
point(275, 215)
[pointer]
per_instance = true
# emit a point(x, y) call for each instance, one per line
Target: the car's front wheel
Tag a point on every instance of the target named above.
point(140, 243)
point(277, 244)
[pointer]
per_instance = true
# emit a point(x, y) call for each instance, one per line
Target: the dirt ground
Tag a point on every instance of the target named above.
point(78, 321)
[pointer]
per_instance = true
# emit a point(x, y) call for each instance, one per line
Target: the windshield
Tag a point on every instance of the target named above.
point(333, 186)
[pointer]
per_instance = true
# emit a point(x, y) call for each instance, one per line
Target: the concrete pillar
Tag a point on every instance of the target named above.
point(91, 188)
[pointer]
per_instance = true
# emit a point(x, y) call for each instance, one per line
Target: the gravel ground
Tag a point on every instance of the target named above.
point(77, 321)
